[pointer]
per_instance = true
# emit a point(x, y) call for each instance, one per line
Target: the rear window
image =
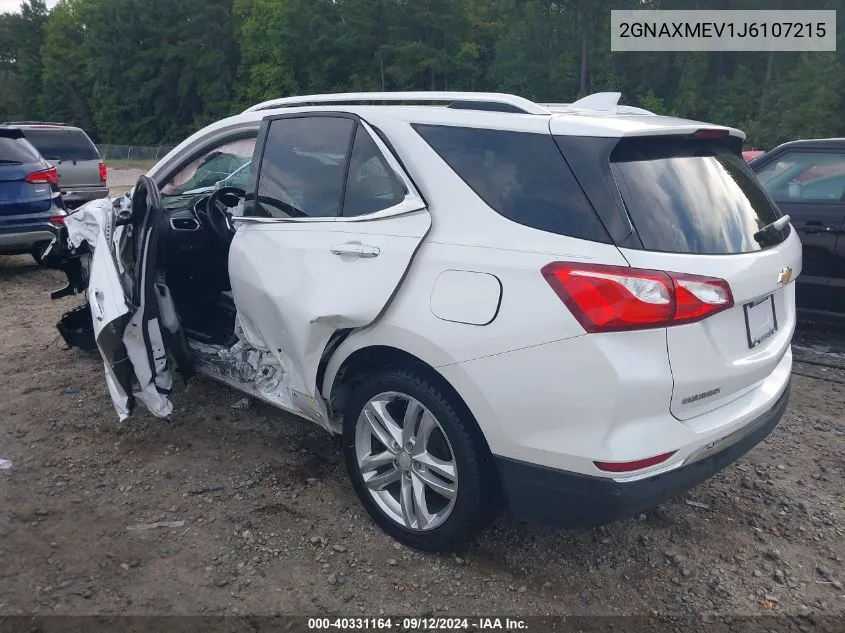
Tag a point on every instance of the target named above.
point(58, 144)
point(17, 150)
point(520, 175)
point(685, 197)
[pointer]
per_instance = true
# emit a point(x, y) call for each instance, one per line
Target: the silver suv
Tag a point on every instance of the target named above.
point(82, 174)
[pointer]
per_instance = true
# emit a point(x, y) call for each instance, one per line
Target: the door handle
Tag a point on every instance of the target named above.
point(356, 249)
point(814, 228)
point(99, 299)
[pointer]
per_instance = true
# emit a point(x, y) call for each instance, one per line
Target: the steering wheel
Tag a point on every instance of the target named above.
point(218, 210)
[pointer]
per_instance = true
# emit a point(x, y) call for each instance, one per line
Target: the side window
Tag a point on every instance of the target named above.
point(303, 167)
point(805, 177)
point(371, 184)
point(228, 162)
point(522, 176)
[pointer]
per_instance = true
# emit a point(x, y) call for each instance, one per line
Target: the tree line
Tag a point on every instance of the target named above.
point(153, 71)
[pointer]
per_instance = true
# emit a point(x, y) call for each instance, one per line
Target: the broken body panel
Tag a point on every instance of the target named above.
point(328, 276)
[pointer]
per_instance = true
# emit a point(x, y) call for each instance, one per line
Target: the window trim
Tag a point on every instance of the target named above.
point(412, 202)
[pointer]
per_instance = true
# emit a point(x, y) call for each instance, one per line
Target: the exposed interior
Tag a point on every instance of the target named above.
point(195, 261)
point(193, 248)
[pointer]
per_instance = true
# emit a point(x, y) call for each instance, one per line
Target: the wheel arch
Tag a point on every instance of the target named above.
point(354, 359)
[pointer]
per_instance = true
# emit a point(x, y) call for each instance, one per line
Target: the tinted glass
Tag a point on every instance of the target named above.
point(16, 151)
point(805, 177)
point(371, 184)
point(304, 166)
point(685, 198)
point(57, 144)
point(521, 176)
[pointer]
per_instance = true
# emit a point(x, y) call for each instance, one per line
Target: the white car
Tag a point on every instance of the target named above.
point(575, 310)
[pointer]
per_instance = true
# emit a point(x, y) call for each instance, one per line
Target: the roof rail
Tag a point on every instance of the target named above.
point(32, 123)
point(512, 102)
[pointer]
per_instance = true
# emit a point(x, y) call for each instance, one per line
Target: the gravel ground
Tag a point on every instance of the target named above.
point(226, 510)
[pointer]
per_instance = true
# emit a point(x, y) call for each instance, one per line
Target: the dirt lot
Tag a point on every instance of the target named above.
point(124, 178)
point(264, 521)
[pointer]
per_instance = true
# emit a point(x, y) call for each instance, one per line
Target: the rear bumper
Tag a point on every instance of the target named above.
point(544, 495)
point(82, 195)
point(25, 239)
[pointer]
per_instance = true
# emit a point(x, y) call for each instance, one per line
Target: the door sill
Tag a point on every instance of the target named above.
point(211, 363)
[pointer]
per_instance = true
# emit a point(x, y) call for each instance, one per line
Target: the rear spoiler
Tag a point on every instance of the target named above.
point(658, 144)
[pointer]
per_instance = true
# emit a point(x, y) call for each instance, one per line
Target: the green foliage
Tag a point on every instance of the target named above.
point(153, 71)
point(65, 82)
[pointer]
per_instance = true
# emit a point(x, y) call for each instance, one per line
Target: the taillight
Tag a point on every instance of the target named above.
point(104, 174)
point(617, 298)
point(58, 219)
point(50, 176)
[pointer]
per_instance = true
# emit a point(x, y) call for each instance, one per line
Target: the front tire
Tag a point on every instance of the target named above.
point(416, 463)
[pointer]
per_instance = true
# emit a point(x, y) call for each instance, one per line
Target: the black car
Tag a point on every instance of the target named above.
point(807, 181)
point(31, 207)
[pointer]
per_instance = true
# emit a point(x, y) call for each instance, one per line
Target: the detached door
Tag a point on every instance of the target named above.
point(135, 323)
point(809, 186)
point(110, 313)
point(327, 237)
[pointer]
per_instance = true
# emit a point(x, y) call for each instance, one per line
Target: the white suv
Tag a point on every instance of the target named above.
point(577, 310)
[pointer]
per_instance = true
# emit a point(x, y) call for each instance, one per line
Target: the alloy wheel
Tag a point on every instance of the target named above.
point(406, 462)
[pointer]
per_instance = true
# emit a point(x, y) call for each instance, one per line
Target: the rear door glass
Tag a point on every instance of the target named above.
point(683, 197)
point(58, 144)
point(522, 176)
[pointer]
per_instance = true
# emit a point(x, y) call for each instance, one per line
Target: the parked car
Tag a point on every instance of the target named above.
point(807, 180)
point(31, 209)
point(579, 312)
point(751, 154)
point(82, 174)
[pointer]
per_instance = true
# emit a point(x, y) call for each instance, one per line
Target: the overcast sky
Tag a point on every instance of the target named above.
point(14, 5)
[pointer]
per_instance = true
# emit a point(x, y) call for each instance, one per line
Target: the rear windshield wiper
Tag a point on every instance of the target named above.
point(6, 161)
point(770, 234)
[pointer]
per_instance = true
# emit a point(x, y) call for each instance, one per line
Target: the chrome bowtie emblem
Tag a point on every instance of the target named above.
point(785, 276)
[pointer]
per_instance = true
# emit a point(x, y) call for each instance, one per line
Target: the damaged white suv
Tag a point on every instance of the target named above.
point(575, 310)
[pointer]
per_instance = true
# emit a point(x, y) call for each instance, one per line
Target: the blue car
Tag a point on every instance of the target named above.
point(31, 209)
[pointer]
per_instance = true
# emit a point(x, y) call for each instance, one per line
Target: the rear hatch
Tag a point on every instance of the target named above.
point(696, 209)
point(71, 152)
point(24, 186)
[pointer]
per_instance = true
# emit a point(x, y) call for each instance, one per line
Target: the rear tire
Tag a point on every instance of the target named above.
point(416, 463)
